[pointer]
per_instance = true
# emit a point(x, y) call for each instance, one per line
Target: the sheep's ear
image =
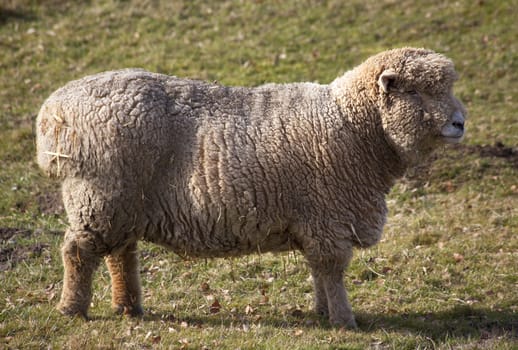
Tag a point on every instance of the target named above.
point(386, 79)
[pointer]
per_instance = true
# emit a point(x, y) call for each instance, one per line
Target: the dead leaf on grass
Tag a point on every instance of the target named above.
point(458, 257)
point(386, 270)
point(184, 342)
point(205, 287)
point(264, 300)
point(298, 313)
point(215, 307)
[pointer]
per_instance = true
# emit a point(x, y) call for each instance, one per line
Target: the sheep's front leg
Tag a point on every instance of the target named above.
point(124, 272)
point(80, 260)
point(327, 269)
point(321, 307)
point(340, 310)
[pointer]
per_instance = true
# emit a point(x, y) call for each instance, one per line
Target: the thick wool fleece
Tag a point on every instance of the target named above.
point(209, 170)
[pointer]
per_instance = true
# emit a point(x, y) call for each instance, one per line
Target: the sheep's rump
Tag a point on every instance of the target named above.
point(202, 168)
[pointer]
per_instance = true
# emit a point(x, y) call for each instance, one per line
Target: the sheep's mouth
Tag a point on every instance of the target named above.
point(452, 132)
point(452, 139)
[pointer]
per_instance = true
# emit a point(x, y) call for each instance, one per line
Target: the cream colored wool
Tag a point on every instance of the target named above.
point(213, 171)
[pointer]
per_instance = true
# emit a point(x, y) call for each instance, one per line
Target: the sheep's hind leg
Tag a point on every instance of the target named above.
point(81, 257)
point(124, 272)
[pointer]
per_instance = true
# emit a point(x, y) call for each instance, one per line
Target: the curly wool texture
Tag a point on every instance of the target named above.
point(209, 170)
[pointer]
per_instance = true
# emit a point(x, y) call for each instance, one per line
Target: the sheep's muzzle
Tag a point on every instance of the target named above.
point(453, 130)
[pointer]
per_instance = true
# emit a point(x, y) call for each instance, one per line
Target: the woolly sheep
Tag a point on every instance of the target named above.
point(214, 171)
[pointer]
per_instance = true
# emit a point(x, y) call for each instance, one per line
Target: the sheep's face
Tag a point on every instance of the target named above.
point(417, 106)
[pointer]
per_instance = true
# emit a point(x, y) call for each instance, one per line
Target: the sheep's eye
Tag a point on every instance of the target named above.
point(413, 93)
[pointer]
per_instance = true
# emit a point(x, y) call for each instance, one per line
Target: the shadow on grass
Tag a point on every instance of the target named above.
point(458, 322)
point(11, 14)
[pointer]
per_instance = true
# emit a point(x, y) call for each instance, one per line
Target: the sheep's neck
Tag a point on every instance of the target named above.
point(361, 142)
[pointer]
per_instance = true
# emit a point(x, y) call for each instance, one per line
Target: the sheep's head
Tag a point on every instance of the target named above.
point(415, 100)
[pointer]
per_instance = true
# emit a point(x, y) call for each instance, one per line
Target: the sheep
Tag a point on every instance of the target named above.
point(214, 171)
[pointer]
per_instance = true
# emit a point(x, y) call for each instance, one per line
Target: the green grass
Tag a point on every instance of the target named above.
point(444, 276)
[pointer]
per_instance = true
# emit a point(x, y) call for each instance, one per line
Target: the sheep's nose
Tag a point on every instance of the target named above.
point(458, 125)
point(458, 120)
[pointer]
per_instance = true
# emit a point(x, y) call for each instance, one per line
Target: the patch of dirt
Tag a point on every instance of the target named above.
point(10, 256)
point(7, 232)
point(420, 173)
point(497, 150)
point(11, 253)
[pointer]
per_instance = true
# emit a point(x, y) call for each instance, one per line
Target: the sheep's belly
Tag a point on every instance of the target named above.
point(196, 243)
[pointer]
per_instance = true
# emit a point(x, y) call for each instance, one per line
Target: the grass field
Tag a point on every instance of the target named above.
point(445, 275)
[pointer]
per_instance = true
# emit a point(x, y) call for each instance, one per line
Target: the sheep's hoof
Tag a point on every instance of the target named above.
point(72, 311)
point(349, 323)
point(129, 310)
